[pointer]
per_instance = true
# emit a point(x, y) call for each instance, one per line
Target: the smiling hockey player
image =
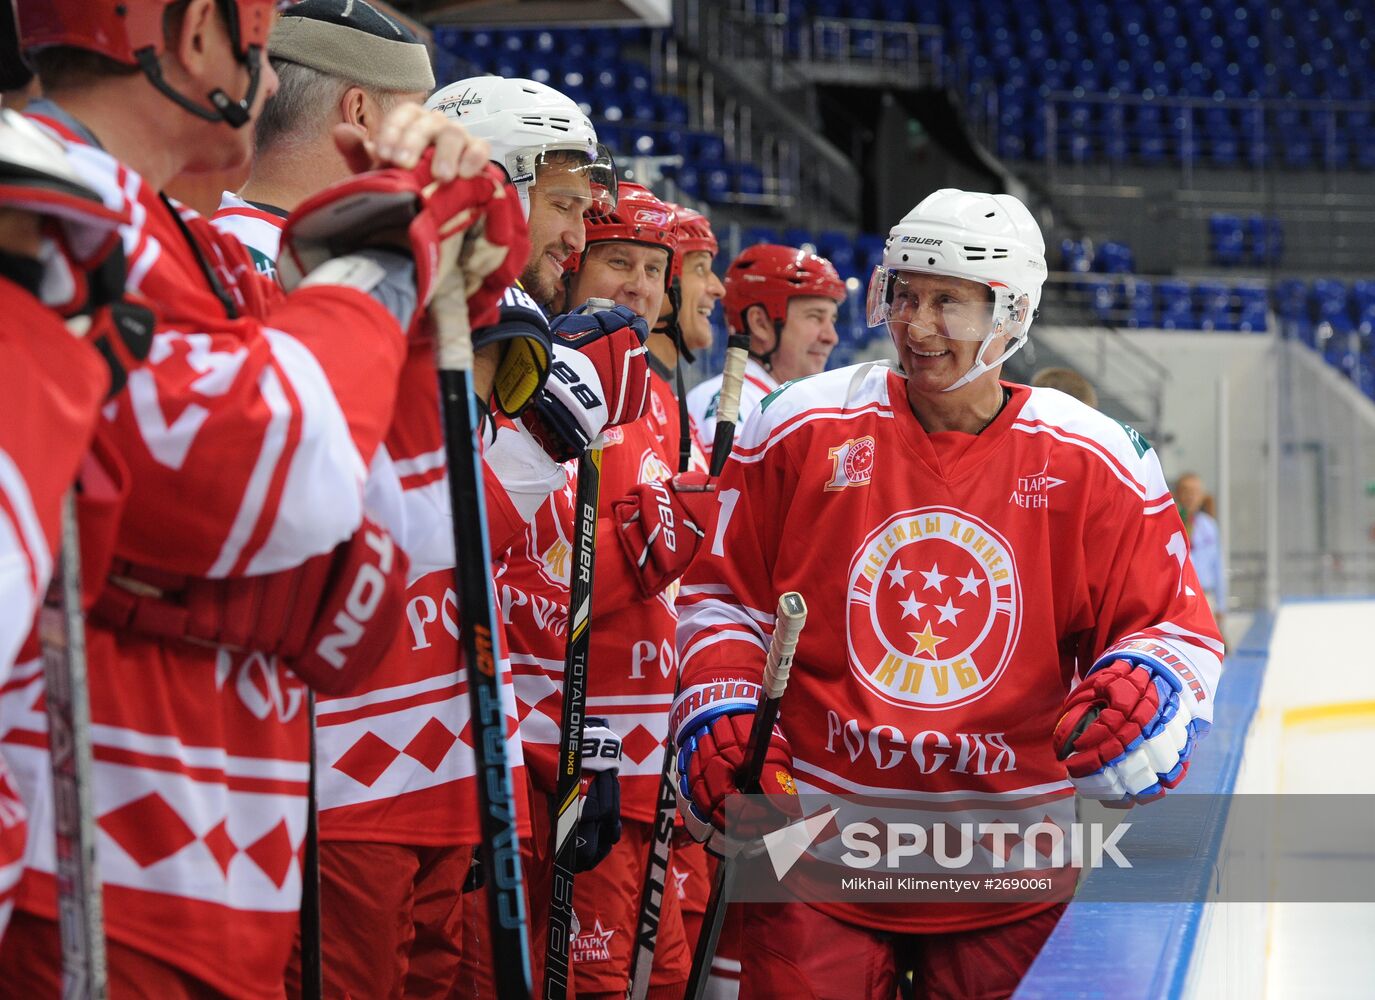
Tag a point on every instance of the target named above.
point(1001, 565)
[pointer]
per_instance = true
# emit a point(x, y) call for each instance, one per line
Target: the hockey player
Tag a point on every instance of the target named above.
point(399, 830)
point(241, 448)
point(786, 300)
point(549, 150)
point(629, 259)
point(1000, 563)
point(59, 260)
point(350, 60)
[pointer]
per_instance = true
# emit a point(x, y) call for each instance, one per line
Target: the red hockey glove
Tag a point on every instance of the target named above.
point(708, 762)
point(332, 618)
point(1125, 734)
point(469, 227)
point(600, 379)
point(660, 526)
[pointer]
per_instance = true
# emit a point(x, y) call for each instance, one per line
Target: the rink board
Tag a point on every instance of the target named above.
point(1295, 715)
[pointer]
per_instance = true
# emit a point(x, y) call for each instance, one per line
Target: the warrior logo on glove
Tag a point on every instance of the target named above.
point(935, 608)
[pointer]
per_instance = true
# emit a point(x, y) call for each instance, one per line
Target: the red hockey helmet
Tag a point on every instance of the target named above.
point(639, 217)
point(769, 275)
point(694, 234)
point(130, 33)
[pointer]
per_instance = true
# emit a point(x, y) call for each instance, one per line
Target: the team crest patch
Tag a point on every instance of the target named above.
point(656, 406)
point(852, 464)
point(593, 945)
point(934, 609)
point(785, 782)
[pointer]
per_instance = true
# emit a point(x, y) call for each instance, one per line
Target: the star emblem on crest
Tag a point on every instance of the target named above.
point(897, 576)
point(679, 883)
point(926, 641)
point(934, 577)
point(911, 606)
point(948, 611)
point(969, 583)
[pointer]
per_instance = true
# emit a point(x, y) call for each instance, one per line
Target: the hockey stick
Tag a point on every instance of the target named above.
point(728, 408)
point(567, 804)
point(656, 871)
point(792, 615)
point(80, 912)
point(500, 847)
point(312, 964)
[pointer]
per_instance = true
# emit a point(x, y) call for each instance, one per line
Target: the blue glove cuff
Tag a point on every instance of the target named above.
point(687, 745)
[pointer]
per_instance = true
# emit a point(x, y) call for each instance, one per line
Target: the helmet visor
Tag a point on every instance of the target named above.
point(571, 173)
point(923, 303)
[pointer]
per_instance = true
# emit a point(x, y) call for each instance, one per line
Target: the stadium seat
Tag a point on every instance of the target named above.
point(1226, 238)
point(1214, 307)
point(1176, 306)
point(1253, 309)
point(1141, 311)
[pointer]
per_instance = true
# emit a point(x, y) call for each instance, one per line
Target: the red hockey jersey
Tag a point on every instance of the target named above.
point(247, 436)
point(955, 597)
point(394, 761)
point(57, 383)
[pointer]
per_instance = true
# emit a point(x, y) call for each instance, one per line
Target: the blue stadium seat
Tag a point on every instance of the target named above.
point(749, 179)
point(1076, 255)
point(1141, 311)
point(1252, 313)
point(1114, 258)
point(1227, 239)
point(1214, 307)
point(1176, 306)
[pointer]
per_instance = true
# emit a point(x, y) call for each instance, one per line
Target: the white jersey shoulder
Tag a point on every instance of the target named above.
point(1120, 446)
point(842, 394)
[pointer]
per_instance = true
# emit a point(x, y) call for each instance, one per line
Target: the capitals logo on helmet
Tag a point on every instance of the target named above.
point(771, 276)
point(639, 217)
point(934, 609)
point(130, 32)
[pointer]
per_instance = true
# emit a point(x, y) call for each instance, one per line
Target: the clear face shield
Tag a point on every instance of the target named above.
point(561, 172)
point(917, 304)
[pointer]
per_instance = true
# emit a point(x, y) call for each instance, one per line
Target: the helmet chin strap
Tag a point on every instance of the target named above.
point(981, 366)
point(223, 108)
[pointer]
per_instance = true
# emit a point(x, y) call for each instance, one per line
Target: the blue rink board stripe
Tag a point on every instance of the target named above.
point(1142, 951)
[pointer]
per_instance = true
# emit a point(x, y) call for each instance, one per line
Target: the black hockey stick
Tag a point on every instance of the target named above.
point(792, 615)
point(500, 848)
point(312, 963)
point(79, 906)
point(566, 806)
point(728, 406)
point(656, 871)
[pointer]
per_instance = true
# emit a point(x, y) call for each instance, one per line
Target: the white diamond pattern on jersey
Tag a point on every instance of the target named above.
point(150, 831)
point(934, 608)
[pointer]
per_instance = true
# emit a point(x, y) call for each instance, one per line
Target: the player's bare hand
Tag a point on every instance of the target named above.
point(407, 131)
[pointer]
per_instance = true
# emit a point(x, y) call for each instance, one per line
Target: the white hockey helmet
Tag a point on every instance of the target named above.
point(524, 121)
point(988, 238)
